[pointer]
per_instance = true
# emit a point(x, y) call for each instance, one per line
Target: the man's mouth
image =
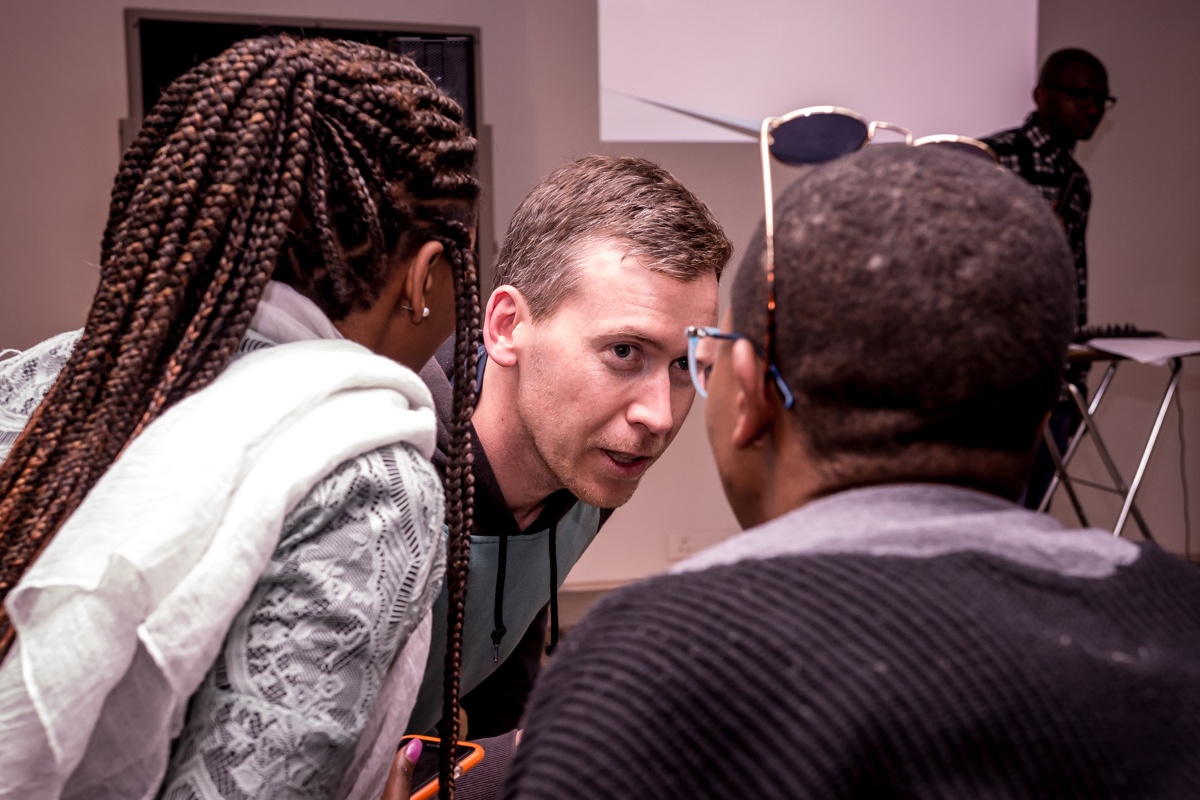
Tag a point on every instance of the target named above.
point(627, 466)
point(625, 458)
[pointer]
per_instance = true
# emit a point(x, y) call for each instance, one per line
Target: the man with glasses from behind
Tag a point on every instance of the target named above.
point(1071, 97)
point(891, 623)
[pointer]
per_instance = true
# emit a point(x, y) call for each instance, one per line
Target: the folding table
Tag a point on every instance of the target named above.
point(1162, 352)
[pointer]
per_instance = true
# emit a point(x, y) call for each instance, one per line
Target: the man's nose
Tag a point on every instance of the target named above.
point(651, 405)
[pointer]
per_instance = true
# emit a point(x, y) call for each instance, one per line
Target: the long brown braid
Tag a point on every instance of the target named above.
point(312, 162)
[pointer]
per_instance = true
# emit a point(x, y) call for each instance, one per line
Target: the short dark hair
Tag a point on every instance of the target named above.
point(924, 297)
point(1059, 60)
point(601, 198)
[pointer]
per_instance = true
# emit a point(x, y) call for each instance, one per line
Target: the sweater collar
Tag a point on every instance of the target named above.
point(284, 315)
point(922, 520)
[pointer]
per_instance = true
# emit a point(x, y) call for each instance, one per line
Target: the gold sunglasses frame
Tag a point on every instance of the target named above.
point(769, 125)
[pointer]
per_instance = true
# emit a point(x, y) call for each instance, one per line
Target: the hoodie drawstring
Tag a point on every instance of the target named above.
point(498, 606)
point(553, 591)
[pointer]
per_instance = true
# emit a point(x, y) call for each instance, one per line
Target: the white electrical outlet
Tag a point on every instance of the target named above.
point(684, 545)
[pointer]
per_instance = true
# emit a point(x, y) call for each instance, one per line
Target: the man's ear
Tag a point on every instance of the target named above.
point(1037, 439)
point(504, 321)
point(757, 405)
point(419, 280)
point(1039, 98)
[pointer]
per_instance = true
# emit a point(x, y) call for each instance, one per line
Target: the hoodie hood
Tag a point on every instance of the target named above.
point(540, 555)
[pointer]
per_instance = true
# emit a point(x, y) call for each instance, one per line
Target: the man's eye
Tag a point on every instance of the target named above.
point(680, 363)
point(623, 351)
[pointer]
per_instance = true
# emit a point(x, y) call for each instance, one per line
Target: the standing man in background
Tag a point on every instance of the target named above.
point(1071, 97)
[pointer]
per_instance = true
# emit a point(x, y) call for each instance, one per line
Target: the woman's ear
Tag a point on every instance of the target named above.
point(757, 406)
point(419, 280)
point(503, 321)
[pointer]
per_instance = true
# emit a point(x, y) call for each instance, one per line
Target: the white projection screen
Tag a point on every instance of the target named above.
point(933, 66)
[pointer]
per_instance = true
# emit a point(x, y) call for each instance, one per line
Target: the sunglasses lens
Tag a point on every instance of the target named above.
point(817, 138)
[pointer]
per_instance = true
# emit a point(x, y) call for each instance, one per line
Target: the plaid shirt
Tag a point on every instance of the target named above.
point(1050, 167)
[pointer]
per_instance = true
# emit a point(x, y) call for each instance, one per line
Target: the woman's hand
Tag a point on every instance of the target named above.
point(399, 782)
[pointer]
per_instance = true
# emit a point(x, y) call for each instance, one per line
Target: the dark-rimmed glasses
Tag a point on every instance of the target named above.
point(702, 354)
point(1100, 99)
point(814, 135)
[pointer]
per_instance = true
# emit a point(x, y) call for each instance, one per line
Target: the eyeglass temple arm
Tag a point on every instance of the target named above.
point(887, 126)
point(764, 144)
point(784, 392)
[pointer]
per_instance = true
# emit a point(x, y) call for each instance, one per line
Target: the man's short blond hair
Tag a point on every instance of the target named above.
point(599, 199)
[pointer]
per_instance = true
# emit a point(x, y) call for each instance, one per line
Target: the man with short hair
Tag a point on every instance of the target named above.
point(583, 386)
point(891, 623)
point(1071, 97)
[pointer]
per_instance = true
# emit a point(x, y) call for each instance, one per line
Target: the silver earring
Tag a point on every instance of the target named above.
point(424, 310)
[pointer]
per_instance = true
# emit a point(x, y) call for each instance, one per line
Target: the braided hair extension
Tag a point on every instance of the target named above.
point(460, 506)
point(311, 162)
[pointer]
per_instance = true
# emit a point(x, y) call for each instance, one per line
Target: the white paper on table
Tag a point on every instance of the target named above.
point(1147, 350)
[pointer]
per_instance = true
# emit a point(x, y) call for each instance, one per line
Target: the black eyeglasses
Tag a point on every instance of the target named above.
point(814, 135)
point(1099, 99)
point(702, 354)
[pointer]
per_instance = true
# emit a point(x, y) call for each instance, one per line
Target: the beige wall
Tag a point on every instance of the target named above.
point(65, 88)
point(1143, 237)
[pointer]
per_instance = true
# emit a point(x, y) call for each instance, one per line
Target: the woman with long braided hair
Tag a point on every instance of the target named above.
point(220, 534)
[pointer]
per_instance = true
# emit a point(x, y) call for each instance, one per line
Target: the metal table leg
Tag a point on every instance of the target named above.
point(1121, 487)
point(1060, 469)
point(1141, 470)
point(1060, 464)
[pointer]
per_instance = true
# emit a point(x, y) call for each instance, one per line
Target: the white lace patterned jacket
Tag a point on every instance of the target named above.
point(307, 696)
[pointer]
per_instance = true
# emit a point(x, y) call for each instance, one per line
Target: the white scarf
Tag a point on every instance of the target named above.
point(124, 612)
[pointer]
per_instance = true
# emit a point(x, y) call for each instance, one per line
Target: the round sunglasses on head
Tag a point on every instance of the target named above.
point(814, 135)
point(817, 134)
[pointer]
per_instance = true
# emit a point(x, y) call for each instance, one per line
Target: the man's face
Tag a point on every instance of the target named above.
point(1071, 104)
point(604, 384)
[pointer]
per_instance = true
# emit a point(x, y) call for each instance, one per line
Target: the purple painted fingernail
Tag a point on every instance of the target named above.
point(412, 750)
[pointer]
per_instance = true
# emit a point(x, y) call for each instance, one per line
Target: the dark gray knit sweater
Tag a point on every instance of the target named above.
point(960, 674)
